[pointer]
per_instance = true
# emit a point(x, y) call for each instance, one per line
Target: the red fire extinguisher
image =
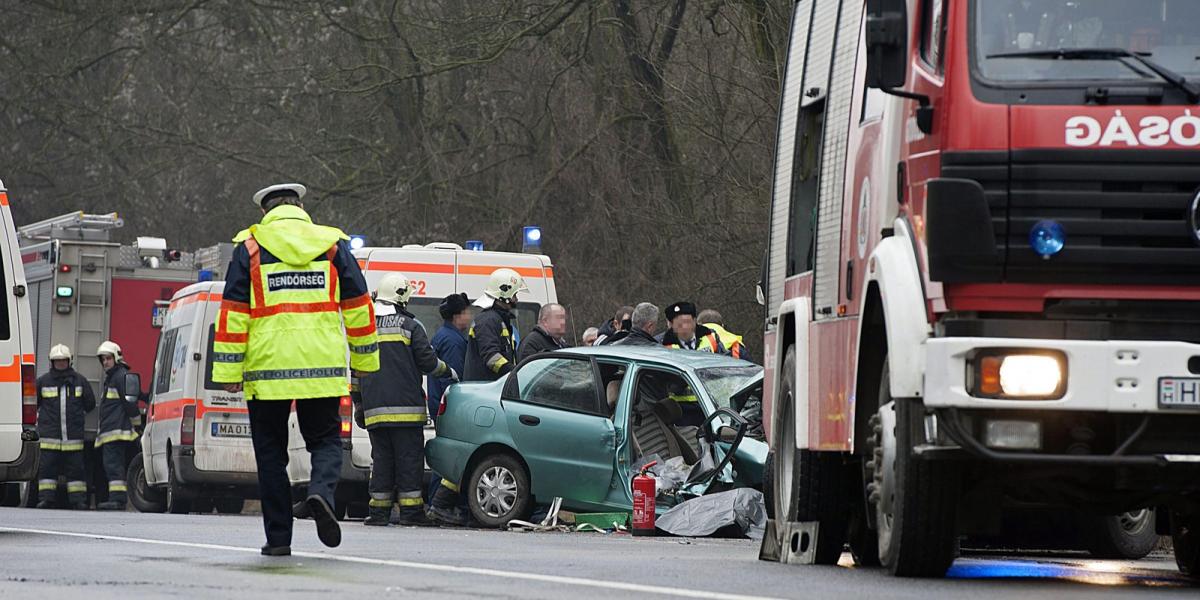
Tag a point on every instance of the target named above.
point(644, 488)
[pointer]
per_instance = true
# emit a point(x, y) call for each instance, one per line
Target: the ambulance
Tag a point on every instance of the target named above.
point(18, 402)
point(196, 450)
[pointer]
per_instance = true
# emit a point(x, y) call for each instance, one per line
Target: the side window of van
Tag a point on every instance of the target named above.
point(209, 384)
point(180, 356)
point(162, 363)
point(5, 332)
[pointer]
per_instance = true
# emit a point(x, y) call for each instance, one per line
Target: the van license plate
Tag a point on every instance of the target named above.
point(241, 430)
point(1179, 392)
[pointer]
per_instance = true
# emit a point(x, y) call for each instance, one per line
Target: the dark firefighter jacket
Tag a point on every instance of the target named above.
point(490, 350)
point(115, 411)
point(393, 396)
point(64, 398)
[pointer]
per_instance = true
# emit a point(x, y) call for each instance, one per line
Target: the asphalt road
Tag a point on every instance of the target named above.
point(62, 554)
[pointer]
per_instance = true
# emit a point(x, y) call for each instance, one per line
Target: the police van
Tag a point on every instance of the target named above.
point(196, 450)
point(18, 400)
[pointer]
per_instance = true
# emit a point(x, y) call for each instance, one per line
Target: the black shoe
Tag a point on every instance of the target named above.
point(269, 550)
point(45, 504)
point(446, 516)
point(415, 520)
point(80, 506)
point(376, 519)
point(110, 505)
point(300, 510)
point(328, 530)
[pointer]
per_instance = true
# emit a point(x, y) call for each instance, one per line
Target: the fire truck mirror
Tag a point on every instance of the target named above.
point(133, 386)
point(887, 43)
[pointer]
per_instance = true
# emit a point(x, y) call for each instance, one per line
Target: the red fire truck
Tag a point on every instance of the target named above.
point(983, 276)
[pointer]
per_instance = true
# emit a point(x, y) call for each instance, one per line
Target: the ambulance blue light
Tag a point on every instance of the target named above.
point(475, 245)
point(531, 239)
point(206, 275)
point(358, 241)
point(1047, 238)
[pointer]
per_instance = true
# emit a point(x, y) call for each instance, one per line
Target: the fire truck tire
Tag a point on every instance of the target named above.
point(808, 485)
point(1185, 535)
point(143, 497)
point(230, 505)
point(1128, 536)
point(917, 502)
point(768, 483)
point(179, 499)
point(863, 540)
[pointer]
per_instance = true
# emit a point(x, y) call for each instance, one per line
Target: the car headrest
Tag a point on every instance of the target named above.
point(668, 410)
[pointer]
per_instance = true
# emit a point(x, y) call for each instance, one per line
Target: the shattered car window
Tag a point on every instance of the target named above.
point(723, 382)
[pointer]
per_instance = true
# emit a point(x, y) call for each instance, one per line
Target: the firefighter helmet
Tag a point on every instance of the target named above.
point(279, 190)
point(504, 284)
point(394, 288)
point(109, 347)
point(60, 352)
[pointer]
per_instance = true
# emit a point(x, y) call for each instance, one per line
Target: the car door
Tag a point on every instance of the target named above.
point(553, 407)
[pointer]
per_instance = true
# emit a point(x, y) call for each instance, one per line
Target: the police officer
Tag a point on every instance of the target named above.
point(490, 356)
point(490, 348)
point(685, 333)
point(393, 405)
point(116, 428)
point(294, 300)
point(64, 398)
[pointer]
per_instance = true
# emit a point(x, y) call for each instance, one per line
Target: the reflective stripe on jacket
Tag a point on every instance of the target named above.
point(392, 396)
point(290, 289)
point(732, 342)
point(706, 340)
point(115, 424)
point(490, 349)
point(64, 399)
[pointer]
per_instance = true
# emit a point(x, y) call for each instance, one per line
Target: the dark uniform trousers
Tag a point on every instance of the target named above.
point(397, 465)
point(115, 469)
point(62, 462)
point(320, 424)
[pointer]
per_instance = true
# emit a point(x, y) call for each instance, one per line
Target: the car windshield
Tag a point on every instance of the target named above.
point(723, 382)
point(1163, 31)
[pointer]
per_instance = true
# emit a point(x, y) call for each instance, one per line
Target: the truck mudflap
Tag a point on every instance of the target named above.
point(1064, 438)
point(25, 468)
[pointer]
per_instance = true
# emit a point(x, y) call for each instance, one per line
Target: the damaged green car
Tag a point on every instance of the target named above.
point(577, 424)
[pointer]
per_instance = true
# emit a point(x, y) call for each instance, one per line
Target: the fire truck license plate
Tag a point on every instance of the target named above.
point(220, 429)
point(1179, 392)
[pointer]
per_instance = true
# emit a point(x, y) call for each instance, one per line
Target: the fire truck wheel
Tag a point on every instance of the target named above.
point(1185, 535)
point(498, 491)
point(768, 483)
point(809, 486)
point(1127, 536)
point(916, 501)
point(864, 541)
point(143, 497)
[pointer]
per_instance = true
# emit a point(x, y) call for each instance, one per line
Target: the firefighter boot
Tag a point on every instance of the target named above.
point(116, 501)
point(377, 516)
point(414, 517)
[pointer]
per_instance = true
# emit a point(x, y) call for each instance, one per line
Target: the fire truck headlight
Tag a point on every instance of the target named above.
point(1020, 374)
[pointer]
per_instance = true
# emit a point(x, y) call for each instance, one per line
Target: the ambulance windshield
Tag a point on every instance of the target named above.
point(1050, 40)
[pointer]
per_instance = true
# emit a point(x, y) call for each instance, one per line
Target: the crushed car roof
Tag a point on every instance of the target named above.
point(681, 358)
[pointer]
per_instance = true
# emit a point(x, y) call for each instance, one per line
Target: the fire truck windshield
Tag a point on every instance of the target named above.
point(1139, 41)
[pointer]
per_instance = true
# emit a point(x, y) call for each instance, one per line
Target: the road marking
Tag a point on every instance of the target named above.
point(576, 581)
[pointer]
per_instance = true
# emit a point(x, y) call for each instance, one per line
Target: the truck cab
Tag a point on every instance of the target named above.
point(983, 273)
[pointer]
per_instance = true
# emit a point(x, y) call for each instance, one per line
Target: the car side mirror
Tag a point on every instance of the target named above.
point(133, 387)
point(887, 43)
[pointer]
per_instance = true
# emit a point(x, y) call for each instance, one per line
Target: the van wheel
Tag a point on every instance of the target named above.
point(179, 499)
point(143, 497)
point(27, 493)
point(1185, 536)
point(1127, 536)
point(916, 501)
point(498, 491)
point(11, 493)
point(808, 485)
point(230, 506)
point(203, 505)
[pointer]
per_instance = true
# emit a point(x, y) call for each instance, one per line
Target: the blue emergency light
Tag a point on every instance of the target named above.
point(475, 245)
point(358, 241)
point(1047, 238)
point(531, 239)
point(205, 275)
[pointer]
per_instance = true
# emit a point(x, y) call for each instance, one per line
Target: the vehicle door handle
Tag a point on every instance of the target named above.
point(530, 420)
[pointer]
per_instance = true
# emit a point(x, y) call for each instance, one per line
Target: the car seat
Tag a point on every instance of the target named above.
point(653, 432)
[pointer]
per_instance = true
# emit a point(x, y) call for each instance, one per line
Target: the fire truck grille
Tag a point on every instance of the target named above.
point(1125, 213)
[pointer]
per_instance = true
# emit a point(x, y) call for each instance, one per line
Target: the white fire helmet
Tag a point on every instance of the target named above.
point(504, 284)
point(109, 347)
point(394, 288)
point(60, 352)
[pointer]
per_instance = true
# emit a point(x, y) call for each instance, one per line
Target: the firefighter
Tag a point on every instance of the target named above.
point(64, 398)
point(116, 429)
point(490, 356)
point(490, 348)
point(392, 406)
point(294, 300)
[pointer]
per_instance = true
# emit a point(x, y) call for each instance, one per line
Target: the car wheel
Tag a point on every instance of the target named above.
point(230, 505)
point(1127, 536)
point(808, 485)
point(498, 491)
point(179, 499)
point(916, 501)
point(1185, 535)
point(143, 497)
